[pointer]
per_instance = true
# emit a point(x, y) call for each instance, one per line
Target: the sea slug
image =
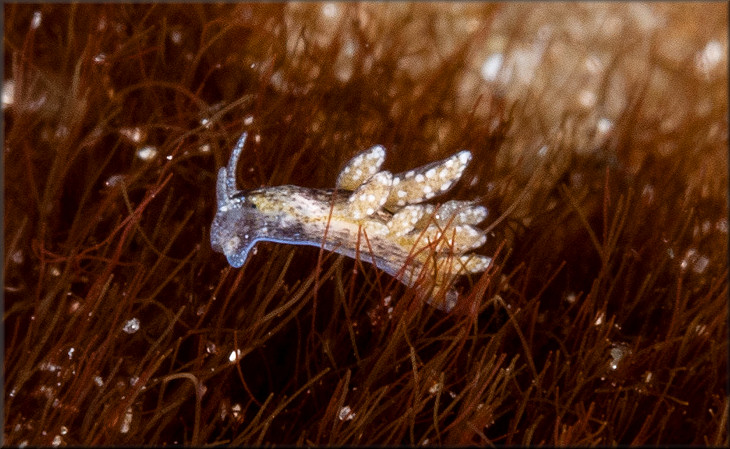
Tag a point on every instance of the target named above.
point(372, 215)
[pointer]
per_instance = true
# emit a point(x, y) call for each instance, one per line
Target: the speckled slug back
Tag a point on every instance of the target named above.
point(424, 183)
point(420, 244)
point(361, 168)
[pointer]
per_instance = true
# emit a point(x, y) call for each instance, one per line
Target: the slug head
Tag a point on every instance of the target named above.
point(234, 228)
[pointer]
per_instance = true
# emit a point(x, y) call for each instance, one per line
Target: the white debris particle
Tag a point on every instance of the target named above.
point(599, 318)
point(346, 414)
point(234, 356)
point(587, 98)
point(131, 326)
point(113, 181)
point(36, 20)
point(56, 441)
point(618, 352)
point(8, 93)
point(330, 10)
point(176, 36)
point(48, 366)
point(692, 259)
point(700, 264)
point(236, 410)
point(571, 297)
point(710, 56)
point(126, 421)
point(700, 329)
point(147, 153)
point(133, 134)
point(604, 125)
point(492, 65)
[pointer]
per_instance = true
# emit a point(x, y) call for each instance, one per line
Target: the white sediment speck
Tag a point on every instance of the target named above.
point(147, 153)
point(492, 65)
point(8, 93)
point(346, 414)
point(126, 421)
point(234, 356)
point(36, 20)
point(131, 326)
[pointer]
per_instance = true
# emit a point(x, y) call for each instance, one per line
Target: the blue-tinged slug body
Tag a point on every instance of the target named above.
point(372, 215)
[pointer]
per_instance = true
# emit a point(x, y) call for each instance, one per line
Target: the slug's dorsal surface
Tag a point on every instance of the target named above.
point(408, 218)
point(461, 212)
point(361, 168)
point(424, 183)
point(418, 243)
point(370, 196)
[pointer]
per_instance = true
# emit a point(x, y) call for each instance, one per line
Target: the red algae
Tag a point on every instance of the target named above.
point(598, 136)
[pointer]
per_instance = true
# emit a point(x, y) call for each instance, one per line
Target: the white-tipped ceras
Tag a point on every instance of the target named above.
point(372, 215)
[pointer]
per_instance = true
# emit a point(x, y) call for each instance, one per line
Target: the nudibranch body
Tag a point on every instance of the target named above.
point(372, 215)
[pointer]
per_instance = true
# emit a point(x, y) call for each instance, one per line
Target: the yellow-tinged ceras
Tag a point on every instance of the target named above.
point(416, 243)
